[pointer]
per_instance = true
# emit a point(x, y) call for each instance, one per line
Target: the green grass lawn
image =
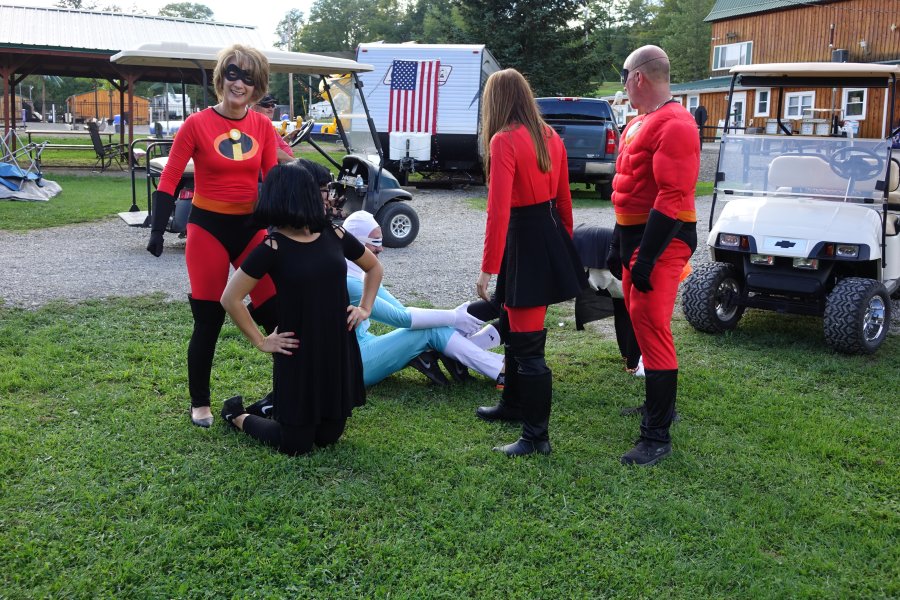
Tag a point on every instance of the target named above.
point(783, 483)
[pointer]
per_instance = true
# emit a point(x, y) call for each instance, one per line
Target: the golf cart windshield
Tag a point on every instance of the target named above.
point(350, 112)
point(822, 167)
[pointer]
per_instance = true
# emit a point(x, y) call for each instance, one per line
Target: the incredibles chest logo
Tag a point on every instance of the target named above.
point(236, 145)
point(633, 131)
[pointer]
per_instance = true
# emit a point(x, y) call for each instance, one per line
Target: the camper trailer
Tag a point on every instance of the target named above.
point(169, 106)
point(438, 131)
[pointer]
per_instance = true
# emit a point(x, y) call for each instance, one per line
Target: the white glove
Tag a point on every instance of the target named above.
point(465, 322)
point(458, 318)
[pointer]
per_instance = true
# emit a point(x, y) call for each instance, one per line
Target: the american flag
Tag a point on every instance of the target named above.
point(414, 96)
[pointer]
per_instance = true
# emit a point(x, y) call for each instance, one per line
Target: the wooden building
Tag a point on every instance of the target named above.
point(103, 105)
point(773, 31)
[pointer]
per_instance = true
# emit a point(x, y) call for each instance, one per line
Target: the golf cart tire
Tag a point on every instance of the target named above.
point(857, 316)
point(399, 224)
point(708, 298)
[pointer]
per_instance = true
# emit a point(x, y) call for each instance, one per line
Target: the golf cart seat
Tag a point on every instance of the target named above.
point(893, 217)
point(159, 163)
point(894, 182)
point(793, 173)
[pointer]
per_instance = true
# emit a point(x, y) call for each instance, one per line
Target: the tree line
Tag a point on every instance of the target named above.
point(565, 47)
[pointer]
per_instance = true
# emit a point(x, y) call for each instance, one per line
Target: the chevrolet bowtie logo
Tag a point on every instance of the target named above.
point(785, 244)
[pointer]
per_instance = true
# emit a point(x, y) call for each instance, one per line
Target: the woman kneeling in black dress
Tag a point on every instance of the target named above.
point(317, 371)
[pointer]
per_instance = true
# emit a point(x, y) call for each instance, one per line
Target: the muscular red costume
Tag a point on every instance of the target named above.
point(516, 180)
point(657, 168)
point(229, 155)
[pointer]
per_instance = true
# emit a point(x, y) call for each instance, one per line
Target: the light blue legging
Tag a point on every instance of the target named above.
point(383, 355)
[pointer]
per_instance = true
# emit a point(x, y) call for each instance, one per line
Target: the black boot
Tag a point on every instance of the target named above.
point(508, 409)
point(655, 442)
point(265, 315)
point(208, 318)
point(535, 382)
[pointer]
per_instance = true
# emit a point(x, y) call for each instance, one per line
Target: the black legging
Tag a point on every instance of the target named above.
point(293, 440)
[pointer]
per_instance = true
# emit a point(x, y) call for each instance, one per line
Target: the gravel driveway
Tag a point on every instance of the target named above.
point(108, 259)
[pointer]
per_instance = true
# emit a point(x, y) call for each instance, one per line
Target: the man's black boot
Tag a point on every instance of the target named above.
point(535, 381)
point(659, 411)
point(647, 453)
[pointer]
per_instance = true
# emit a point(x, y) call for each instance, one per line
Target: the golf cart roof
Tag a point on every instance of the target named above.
point(180, 54)
point(816, 73)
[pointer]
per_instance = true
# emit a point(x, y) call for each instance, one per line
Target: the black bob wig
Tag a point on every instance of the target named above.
point(290, 197)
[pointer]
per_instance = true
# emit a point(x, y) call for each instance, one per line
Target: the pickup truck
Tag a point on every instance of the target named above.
point(588, 129)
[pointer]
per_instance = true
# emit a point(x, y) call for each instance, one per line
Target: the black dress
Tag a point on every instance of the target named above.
point(322, 379)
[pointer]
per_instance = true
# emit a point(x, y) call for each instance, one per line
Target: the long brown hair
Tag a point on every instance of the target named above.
point(507, 100)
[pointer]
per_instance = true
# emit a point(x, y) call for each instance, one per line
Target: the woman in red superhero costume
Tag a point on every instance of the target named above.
point(230, 145)
point(528, 243)
point(656, 225)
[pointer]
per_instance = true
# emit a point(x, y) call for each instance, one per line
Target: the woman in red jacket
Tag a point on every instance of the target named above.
point(528, 244)
point(230, 145)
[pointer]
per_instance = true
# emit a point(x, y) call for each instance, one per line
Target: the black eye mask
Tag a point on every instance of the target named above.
point(234, 72)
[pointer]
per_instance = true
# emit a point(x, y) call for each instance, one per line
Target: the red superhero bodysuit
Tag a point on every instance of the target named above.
point(657, 169)
point(656, 174)
point(229, 155)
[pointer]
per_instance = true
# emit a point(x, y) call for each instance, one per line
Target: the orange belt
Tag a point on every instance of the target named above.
point(688, 216)
point(221, 207)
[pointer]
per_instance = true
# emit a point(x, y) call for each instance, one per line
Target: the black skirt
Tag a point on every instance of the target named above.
point(540, 264)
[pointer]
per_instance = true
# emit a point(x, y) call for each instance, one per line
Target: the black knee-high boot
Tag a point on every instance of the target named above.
point(509, 407)
point(208, 318)
point(659, 412)
point(535, 381)
point(265, 315)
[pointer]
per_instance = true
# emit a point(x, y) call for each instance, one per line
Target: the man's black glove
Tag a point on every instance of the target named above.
point(614, 257)
point(640, 275)
point(658, 232)
point(163, 205)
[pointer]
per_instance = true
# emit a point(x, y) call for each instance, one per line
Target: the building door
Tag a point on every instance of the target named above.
point(738, 112)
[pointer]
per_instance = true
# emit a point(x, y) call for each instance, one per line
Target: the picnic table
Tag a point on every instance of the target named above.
point(43, 133)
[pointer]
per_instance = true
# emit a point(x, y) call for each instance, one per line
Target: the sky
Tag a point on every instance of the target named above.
point(264, 16)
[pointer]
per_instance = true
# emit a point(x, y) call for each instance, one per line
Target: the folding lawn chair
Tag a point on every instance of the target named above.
point(107, 154)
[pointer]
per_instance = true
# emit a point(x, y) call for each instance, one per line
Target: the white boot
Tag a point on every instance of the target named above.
point(458, 318)
point(487, 363)
point(487, 338)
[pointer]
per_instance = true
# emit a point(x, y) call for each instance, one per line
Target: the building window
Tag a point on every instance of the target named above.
point(854, 104)
point(692, 103)
point(729, 55)
point(798, 102)
point(761, 108)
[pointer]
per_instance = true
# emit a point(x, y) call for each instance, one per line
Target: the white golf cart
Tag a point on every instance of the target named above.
point(810, 222)
point(361, 183)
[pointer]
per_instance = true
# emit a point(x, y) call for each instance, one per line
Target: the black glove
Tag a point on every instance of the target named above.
point(614, 257)
point(640, 275)
point(658, 232)
point(163, 205)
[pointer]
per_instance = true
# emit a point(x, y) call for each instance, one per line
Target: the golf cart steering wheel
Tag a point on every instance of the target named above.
point(302, 134)
point(854, 162)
